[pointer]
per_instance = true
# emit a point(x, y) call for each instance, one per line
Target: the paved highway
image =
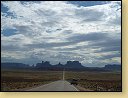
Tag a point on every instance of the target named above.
point(60, 85)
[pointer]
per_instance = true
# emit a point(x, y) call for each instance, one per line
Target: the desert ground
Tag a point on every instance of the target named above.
point(96, 81)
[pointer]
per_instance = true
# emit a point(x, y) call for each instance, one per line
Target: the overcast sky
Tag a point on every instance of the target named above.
point(58, 31)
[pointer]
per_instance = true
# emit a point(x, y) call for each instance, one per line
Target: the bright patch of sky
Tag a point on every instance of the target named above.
point(58, 31)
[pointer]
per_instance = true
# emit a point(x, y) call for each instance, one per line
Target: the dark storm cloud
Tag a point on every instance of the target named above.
point(49, 45)
point(15, 48)
point(108, 49)
point(89, 15)
point(45, 12)
point(50, 23)
point(88, 37)
point(110, 56)
point(77, 38)
point(67, 31)
point(107, 43)
point(56, 31)
point(96, 40)
point(10, 48)
point(104, 41)
point(24, 29)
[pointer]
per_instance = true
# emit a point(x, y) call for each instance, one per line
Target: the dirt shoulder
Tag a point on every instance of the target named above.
point(82, 88)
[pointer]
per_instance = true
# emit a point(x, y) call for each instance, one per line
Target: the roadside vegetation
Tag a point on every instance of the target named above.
point(93, 81)
point(18, 80)
point(96, 81)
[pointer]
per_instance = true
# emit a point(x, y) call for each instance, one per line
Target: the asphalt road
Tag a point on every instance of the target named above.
point(60, 85)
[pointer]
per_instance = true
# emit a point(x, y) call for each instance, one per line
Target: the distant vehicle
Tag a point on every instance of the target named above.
point(74, 81)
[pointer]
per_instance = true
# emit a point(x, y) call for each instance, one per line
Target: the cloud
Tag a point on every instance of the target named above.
point(92, 36)
point(110, 56)
point(107, 49)
point(88, 15)
point(107, 43)
point(60, 31)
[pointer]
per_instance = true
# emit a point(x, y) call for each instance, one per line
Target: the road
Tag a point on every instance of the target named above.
point(60, 85)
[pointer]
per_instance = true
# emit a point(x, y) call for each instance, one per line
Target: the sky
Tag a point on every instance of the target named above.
point(59, 31)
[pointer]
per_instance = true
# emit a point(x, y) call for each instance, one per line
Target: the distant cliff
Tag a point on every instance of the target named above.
point(69, 66)
point(9, 65)
point(114, 67)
